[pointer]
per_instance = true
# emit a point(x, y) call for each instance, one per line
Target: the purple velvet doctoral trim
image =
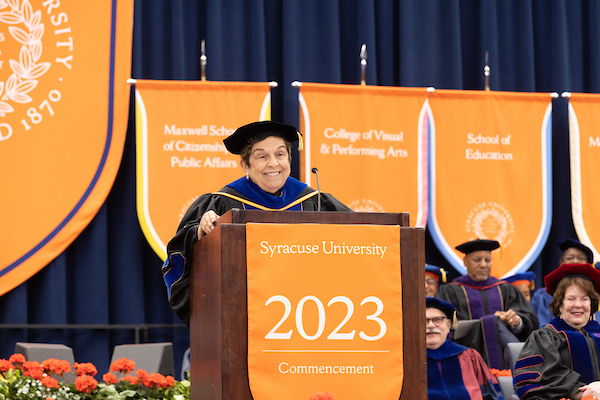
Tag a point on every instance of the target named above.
point(488, 323)
point(466, 279)
point(475, 300)
point(475, 297)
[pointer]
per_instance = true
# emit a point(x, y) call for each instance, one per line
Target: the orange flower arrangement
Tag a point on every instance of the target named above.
point(85, 381)
point(588, 397)
point(21, 379)
point(6, 365)
point(122, 365)
point(109, 378)
point(54, 366)
point(322, 396)
point(33, 369)
point(17, 359)
point(50, 382)
point(500, 372)
point(85, 369)
point(85, 384)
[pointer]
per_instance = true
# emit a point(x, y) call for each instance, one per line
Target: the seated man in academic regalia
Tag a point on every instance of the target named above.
point(434, 277)
point(453, 371)
point(498, 312)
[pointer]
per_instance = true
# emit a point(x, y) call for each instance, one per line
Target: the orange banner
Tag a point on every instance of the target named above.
point(584, 144)
point(368, 146)
point(180, 127)
point(324, 311)
point(64, 101)
point(490, 171)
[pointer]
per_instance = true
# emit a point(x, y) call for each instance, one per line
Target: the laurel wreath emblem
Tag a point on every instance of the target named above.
point(501, 219)
point(27, 70)
point(365, 205)
point(185, 207)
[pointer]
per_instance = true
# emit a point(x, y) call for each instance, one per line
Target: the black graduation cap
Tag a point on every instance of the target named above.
point(236, 142)
point(444, 306)
point(568, 243)
point(478, 244)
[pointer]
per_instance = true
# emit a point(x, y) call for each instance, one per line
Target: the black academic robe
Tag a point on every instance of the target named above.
point(242, 194)
point(480, 300)
point(557, 360)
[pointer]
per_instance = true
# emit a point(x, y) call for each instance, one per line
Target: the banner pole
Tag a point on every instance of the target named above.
point(363, 64)
point(486, 71)
point(203, 60)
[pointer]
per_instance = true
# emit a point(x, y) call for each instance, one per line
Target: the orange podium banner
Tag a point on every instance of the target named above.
point(584, 141)
point(64, 102)
point(490, 165)
point(324, 311)
point(367, 145)
point(180, 127)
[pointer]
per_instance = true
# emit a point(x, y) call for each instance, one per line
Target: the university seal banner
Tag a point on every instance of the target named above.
point(584, 141)
point(490, 174)
point(180, 127)
point(324, 311)
point(64, 101)
point(367, 145)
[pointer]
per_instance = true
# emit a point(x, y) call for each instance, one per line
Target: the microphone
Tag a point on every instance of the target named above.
point(316, 172)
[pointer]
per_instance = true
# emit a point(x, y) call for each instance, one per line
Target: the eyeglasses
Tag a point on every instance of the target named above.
point(573, 257)
point(431, 282)
point(437, 321)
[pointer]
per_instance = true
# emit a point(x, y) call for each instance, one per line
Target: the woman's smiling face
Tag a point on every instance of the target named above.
point(576, 307)
point(269, 164)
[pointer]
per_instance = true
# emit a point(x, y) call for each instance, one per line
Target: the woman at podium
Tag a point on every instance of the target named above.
point(265, 151)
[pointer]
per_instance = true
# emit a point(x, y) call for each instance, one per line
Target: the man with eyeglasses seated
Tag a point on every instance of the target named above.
point(572, 252)
point(434, 277)
point(453, 371)
point(495, 312)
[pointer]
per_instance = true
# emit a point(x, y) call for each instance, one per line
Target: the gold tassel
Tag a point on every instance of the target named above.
point(444, 275)
point(454, 320)
point(300, 142)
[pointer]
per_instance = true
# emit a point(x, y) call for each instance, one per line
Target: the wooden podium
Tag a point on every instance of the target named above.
point(218, 315)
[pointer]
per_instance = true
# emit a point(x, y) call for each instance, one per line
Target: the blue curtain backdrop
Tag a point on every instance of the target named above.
point(110, 275)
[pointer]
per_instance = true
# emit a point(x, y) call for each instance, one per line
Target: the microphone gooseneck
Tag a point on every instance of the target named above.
point(316, 172)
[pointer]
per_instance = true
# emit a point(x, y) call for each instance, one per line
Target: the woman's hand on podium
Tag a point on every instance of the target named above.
point(207, 223)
